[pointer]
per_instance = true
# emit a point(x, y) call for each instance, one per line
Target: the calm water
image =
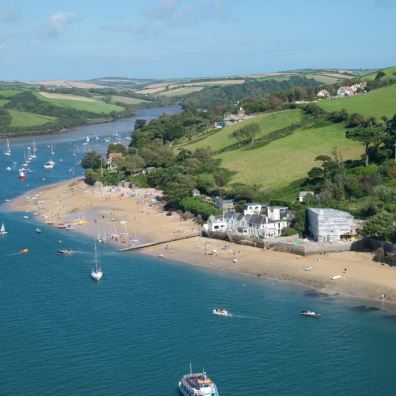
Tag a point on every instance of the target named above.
point(135, 332)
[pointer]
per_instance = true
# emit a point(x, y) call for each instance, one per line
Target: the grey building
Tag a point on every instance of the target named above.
point(331, 225)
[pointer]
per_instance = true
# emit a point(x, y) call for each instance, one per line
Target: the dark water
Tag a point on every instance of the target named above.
point(135, 332)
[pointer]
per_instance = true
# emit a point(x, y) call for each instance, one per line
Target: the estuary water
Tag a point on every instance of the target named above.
point(136, 331)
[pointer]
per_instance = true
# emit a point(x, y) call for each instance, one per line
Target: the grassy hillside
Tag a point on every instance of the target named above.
point(288, 159)
point(22, 119)
point(377, 103)
point(389, 71)
point(268, 122)
point(127, 100)
point(93, 107)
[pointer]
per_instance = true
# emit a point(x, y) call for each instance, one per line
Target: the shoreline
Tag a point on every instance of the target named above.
point(134, 216)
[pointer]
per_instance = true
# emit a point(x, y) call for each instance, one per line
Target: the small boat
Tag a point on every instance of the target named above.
point(307, 268)
point(107, 140)
point(62, 226)
point(50, 222)
point(7, 150)
point(49, 165)
point(25, 217)
point(311, 314)
point(197, 384)
point(24, 251)
point(38, 230)
point(86, 141)
point(221, 312)
point(22, 175)
point(8, 168)
point(3, 230)
point(334, 277)
point(96, 272)
point(65, 252)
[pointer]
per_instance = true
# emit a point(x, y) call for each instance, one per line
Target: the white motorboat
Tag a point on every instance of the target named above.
point(3, 230)
point(96, 272)
point(334, 277)
point(310, 314)
point(38, 230)
point(22, 174)
point(49, 165)
point(221, 312)
point(307, 268)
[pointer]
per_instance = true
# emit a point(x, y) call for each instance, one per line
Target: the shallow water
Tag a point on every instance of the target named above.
point(136, 332)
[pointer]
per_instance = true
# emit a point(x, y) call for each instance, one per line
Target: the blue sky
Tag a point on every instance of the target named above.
point(69, 39)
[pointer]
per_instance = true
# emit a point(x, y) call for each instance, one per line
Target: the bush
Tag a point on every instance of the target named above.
point(197, 206)
point(288, 231)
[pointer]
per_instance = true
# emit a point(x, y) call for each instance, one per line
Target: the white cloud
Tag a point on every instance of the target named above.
point(10, 13)
point(58, 22)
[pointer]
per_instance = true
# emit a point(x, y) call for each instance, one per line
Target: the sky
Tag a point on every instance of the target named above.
point(84, 39)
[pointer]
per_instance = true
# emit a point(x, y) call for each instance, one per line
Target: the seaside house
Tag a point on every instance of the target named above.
point(276, 213)
point(252, 208)
point(331, 225)
point(226, 205)
point(110, 162)
point(262, 226)
point(216, 223)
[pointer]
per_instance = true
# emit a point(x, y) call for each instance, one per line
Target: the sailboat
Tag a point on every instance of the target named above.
point(86, 141)
point(96, 272)
point(34, 150)
point(3, 230)
point(52, 149)
point(22, 174)
point(7, 150)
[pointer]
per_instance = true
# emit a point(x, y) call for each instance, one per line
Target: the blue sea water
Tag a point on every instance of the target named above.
point(136, 331)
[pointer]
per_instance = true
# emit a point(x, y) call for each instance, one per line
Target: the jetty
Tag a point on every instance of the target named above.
point(145, 245)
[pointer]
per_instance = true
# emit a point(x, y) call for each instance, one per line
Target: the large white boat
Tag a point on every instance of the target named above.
point(96, 272)
point(7, 150)
point(198, 384)
point(49, 165)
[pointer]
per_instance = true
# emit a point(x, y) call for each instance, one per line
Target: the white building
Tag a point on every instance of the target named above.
point(261, 226)
point(275, 213)
point(216, 223)
point(252, 208)
point(331, 225)
point(323, 93)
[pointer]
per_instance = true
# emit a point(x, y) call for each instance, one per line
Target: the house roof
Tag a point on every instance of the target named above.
point(252, 204)
point(330, 212)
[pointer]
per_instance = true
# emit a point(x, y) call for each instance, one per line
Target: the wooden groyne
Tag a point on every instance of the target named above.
point(144, 245)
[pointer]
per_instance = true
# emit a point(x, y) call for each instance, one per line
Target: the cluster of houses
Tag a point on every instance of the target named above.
point(261, 221)
point(347, 90)
point(256, 220)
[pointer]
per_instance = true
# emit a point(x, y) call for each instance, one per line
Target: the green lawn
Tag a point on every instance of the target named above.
point(127, 100)
point(22, 119)
point(180, 91)
point(376, 103)
point(268, 123)
point(389, 71)
point(93, 107)
point(8, 93)
point(288, 159)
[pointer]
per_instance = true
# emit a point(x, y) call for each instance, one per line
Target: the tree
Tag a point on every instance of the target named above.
point(91, 160)
point(379, 226)
point(247, 133)
point(139, 123)
point(116, 148)
point(355, 120)
point(380, 74)
point(371, 137)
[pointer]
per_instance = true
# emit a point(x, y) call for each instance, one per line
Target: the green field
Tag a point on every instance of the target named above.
point(21, 119)
point(288, 159)
point(3, 102)
point(127, 100)
point(268, 123)
point(180, 91)
point(377, 103)
point(8, 93)
point(389, 71)
point(93, 107)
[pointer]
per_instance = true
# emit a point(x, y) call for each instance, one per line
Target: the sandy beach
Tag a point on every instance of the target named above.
point(133, 216)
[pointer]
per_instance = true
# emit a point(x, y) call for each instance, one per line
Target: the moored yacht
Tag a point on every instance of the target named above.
point(7, 150)
point(311, 314)
point(96, 272)
point(49, 165)
point(198, 384)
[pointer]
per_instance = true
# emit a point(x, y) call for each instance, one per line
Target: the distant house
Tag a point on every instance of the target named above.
point(323, 93)
point(226, 205)
point(195, 193)
point(262, 226)
point(148, 170)
point(233, 118)
point(110, 163)
point(252, 208)
point(303, 194)
point(216, 223)
point(351, 90)
point(331, 225)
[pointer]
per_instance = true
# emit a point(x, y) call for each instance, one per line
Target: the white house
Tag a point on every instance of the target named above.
point(331, 225)
point(275, 213)
point(261, 226)
point(252, 208)
point(323, 93)
point(216, 223)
